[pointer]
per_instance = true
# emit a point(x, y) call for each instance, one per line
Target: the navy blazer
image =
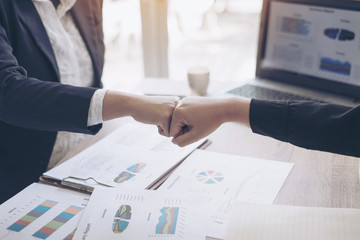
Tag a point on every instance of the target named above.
point(33, 104)
point(308, 124)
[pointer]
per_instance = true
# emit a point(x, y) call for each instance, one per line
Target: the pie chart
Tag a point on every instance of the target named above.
point(209, 177)
point(121, 219)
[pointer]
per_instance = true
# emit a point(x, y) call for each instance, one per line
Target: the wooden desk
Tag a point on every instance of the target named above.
point(318, 179)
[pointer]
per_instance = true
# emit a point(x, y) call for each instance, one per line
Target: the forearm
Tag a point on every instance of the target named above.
point(46, 106)
point(34, 103)
point(117, 104)
point(311, 125)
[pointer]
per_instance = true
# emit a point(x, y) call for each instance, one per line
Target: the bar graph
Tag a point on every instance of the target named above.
point(71, 235)
point(42, 212)
point(57, 222)
point(167, 220)
point(32, 216)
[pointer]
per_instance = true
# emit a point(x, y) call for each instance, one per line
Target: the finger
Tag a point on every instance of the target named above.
point(174, 126)
point(177, 101)
point(161, 131)
point(185, 138)
point(165, 125)
point(177, 128)
point(164, 130)
point(177, 125)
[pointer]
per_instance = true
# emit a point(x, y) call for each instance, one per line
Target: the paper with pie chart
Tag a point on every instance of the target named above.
point(228, 178)
point(114, 214)
point(134, 156)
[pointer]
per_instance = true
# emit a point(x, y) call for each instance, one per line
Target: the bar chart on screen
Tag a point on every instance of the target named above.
point(42, 212)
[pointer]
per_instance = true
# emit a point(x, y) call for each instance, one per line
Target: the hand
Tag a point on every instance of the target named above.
point(196, 117)
point(145, 109)
point(155, 110)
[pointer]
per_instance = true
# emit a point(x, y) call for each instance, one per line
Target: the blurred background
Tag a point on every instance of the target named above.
point(162, 39)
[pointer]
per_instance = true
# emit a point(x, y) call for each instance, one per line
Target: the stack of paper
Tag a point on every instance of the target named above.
point(275, 222)
point(227, 178)
point(194, 202)
point(134, 156)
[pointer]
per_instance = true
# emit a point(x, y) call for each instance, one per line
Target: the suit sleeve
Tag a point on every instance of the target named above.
point(311, 125)
point(41, 105)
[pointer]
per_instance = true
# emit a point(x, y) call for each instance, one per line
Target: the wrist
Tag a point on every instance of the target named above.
point(237, 109)
point(118, 104)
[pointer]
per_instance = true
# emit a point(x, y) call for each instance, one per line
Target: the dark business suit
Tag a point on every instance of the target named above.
point(33, 104)
point(311, 125)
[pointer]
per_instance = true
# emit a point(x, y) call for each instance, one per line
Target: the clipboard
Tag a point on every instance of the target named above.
point(86, 183)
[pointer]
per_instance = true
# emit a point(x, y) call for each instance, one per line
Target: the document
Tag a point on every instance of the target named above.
point(146, 214)
point(276, 222)
point(228, 178)
point(42, 212)
point(134, 156)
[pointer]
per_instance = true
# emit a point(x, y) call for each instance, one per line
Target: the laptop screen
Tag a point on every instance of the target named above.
point(313, 41)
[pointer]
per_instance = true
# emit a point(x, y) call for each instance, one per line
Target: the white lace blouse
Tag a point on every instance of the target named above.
point(75, 66)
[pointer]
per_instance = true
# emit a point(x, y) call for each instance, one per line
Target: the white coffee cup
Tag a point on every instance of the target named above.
point(198, 79)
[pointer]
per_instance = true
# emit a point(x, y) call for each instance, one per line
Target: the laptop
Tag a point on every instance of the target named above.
point(307, 50)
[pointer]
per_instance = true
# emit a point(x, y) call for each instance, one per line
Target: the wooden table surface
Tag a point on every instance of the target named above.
point(318, 179)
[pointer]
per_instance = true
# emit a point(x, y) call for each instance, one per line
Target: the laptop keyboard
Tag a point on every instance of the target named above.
point(256, 92)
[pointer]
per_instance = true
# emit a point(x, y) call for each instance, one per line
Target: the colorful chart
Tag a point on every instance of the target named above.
point(339, 34)
point(331, 33)
point(57, 222)
point(295, 26)
point(32, 216)
point(210, 177)
point(71, 235)
point(123, 177)
point(167, 220)
point(335, 66)
point(122, 219)
point(129, 173)
point(136, 167)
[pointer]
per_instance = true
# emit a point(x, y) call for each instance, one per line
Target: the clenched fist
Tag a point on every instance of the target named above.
point(196, 117)
point(154, 110)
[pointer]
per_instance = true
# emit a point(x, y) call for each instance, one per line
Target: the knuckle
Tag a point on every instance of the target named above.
point(174, 114)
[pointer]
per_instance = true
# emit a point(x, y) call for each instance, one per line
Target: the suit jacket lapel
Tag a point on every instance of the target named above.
point(84, 17)
point(32, 20)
